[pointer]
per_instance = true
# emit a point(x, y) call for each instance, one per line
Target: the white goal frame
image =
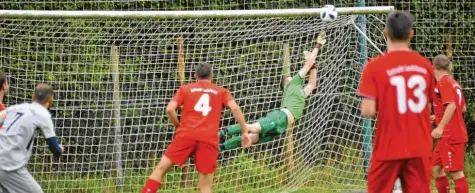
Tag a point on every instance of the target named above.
point(138, 15)
point(36, 14)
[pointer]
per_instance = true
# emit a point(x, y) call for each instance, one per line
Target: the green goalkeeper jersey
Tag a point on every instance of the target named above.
point(294, 96)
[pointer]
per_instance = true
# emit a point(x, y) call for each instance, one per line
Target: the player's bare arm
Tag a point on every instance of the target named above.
point(464, 109)
point(448, 113)
point(368, 108)
point(310, 60)
point(239, 117)
point(171, 113)
point(310, 65)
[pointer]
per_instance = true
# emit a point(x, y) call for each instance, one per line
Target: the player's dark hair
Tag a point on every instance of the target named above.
point(399, 24)
point(42, 93)
point(441, 62)
point(3, 79)
point(204, 70)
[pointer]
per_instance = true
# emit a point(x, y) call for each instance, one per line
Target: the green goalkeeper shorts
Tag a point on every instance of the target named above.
point(274, 123)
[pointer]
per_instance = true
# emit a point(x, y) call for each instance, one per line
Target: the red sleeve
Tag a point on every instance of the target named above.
point(446, 92)
point(463, 101)
point(178, 98)
point(226, 97)
point(432, 83)
point(367, 86)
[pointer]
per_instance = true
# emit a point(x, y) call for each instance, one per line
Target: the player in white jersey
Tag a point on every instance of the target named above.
point(20, 126)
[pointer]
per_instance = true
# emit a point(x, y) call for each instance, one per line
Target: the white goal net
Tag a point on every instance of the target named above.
point(114, 76)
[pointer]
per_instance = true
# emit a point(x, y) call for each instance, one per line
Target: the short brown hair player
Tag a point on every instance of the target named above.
point(451, 132)
point(399, 86)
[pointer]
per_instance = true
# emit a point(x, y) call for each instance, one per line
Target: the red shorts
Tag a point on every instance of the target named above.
point(206, 154)
point(415, 175)
point(449, 156)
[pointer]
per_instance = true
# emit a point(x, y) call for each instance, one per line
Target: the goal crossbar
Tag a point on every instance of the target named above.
point(36, 14)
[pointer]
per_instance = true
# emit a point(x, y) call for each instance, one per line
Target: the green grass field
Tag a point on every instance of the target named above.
point(243, 174)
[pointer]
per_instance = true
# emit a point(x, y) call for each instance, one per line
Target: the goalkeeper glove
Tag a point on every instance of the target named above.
point(320, 40)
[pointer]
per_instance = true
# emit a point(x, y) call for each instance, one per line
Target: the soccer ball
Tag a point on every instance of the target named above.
point(329, 13)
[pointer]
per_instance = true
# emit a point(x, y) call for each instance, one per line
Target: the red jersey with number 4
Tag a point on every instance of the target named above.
point(202, 103)
point(402, 83)
point(447, 91)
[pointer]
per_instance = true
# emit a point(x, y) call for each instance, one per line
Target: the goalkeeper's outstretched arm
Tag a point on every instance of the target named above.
point(312, 82)
point(310, 64)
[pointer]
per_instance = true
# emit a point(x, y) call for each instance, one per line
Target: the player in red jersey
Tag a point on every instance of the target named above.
point(197, 133)
point(3, 92)
point(3, 89)
point(451, 131)
point(399, 86)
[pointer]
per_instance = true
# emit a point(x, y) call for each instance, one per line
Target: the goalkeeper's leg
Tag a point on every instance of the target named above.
point(236, 129)
point(235, 142)
point(273, 122)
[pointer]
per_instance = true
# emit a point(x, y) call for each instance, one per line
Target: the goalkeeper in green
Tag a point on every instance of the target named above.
point(276, 122)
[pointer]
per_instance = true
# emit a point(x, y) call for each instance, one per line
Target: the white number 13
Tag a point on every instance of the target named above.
point(416, 82)
point(203, 105)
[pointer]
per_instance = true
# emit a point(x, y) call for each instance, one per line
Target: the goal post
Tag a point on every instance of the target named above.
point(109, 105)
point(38, 14)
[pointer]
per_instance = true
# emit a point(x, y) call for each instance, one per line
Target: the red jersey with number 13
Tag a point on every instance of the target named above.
point(202, 103)
point(449, 91)
point(402, 83)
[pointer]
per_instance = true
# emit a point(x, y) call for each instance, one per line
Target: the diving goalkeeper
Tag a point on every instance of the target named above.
point(276, 122)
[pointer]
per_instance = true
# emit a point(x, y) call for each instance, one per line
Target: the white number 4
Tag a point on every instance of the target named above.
point(203, 105)
point(402, 101)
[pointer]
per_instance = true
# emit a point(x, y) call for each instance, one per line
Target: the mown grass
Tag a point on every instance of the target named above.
point(244, 173)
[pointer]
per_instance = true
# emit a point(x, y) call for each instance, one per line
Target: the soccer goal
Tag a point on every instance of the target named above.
point(114, 72)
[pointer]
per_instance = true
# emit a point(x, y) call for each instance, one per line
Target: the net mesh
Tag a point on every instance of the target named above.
point(115, 129)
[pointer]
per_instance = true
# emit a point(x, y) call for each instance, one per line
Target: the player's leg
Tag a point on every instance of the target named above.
point(206, 183)
point(461, 184)
point(236, 129)
point(274, 123)
point(263, 124)
point(3, 175)
point(206, 156)
point(235, 142)
point(382, 172)
point(177, 152)
point(20, 181)
point(441, 180)
point(416, 175)
point(267, 138)
point(455, 164)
